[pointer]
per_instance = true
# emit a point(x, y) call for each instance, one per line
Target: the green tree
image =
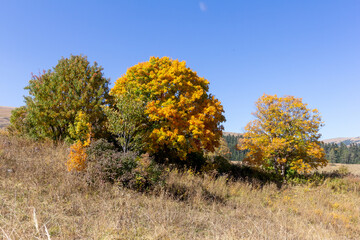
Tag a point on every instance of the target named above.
point(332, 156)
point(57, 96)
point(341, 153)
point(236, 154)
point(127, 122)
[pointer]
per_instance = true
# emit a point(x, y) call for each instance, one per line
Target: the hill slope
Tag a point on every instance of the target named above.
point(40, 199)
point(346, 141)
point(232, 134)
point(5, 113)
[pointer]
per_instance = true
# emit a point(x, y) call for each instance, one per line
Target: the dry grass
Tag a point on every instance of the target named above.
point(353, 168)
point(38, 195)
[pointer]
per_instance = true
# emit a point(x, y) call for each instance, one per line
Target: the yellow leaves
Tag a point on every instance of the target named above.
point(81, 129)
point(82, 132)
point(300, 166)
point(77, 157)
point(181, 139)
point(176, 99)
point(285, 133)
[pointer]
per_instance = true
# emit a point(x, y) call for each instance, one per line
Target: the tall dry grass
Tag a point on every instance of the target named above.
point(39, 199)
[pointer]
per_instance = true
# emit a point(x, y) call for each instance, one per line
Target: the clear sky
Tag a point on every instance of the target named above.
point(309, 49)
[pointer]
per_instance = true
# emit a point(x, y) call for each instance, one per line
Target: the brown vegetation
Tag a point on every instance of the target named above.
point(351, 168)
point(41, 199)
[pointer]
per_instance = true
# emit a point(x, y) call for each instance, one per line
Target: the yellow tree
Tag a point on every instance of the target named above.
point(80, 131)
point(182, 116)
point(284, 136)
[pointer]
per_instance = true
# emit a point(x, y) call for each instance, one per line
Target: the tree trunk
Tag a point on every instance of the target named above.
point(283, 171)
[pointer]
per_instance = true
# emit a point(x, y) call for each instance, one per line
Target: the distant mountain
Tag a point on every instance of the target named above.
point(346, 141)
point(5, 113)
point(232, 133)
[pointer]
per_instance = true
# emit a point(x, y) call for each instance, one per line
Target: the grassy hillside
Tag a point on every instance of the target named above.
point(5, 113)
point(41, 200)
point(346, 141)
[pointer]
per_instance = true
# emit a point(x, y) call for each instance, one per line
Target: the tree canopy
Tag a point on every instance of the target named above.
point(126, 120)
point(284, 136)
point(182, 116)
point(57, 96)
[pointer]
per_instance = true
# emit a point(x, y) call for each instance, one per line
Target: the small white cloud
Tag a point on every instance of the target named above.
point(202, 6)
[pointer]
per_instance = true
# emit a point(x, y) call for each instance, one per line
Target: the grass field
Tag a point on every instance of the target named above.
point(353, 168)
point(5, 113)
point(39, 199)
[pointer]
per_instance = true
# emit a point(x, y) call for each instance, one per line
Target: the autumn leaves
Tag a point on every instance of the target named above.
point(162, 107)
point(284, 136)
point(182, 115)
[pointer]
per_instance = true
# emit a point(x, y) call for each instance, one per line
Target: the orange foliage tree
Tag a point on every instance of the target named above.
point(80, 131)
point(182, 116)
point(284, 136)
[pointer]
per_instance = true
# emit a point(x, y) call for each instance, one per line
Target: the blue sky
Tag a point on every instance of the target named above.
point(309, 49)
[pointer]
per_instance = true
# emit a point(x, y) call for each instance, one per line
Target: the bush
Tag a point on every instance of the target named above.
point(343, 170)
point(193, 160)
point(107, 164)
point(144, 177)
point(313, 179)
point(18, 123)
point(77, 157)
point(343, 185)
point(217, 164)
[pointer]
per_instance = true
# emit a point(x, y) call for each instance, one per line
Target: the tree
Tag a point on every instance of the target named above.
point(81, 131)
point(235, 153)
point(332, 156)
point(222, 150)
point(57, 96)
point(81, 128)
point(127, 122)
point(182, 116)
point(284, 136)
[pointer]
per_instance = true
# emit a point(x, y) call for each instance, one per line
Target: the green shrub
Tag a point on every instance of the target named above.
point(194, 160)
point(343, 170)
point(19, 125)
point(314, 179)
point(144, 177)
point(217, 164)
point(107, 164)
